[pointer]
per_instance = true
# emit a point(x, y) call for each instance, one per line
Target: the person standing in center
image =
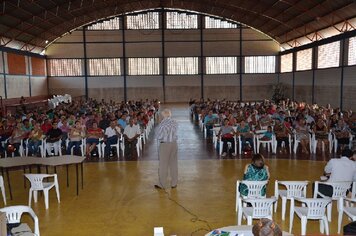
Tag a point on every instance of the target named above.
point(168, 149)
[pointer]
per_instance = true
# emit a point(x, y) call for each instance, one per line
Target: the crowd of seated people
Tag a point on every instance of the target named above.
point(290, 121)
point(67, 126)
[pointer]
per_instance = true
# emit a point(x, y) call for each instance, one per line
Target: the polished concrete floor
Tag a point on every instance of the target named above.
point(119, 198)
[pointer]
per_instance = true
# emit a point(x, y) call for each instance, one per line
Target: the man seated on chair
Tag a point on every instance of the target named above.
point(341, 169)
point(54, 135)
point(111, 135)
point(131, 133)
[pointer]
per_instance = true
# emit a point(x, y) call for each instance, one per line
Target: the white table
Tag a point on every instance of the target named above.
point(6, 163)
point(245, 230)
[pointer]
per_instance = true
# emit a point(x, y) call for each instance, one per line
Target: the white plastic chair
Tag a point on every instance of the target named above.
point(293, 189)
point(297, 141)
point(57, 146)
point(254, 191)
point(21, 149)
point(41, 147)
point(260, 208)
point(37, 184)
point(315, 141)
point(158, 231)
point(335, 144)
point(314, 210)
point(82, 147)
point(350, 211)
point(339, 193)
point(2, 187)
point(257, 139)
point(14, 213)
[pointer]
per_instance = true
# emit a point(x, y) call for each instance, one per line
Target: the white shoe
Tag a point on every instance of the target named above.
point(224, 154)
point(234, 154)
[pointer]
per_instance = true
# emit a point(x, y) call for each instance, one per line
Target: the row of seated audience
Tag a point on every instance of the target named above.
point(282, 119)
point(72, 123)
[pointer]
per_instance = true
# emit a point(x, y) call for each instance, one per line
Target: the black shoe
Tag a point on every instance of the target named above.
point(174, 186)
point(158, 187)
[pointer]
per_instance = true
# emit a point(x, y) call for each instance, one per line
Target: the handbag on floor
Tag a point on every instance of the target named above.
point(350, 229)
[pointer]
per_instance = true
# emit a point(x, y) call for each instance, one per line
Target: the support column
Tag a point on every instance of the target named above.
point(29, 75)
point(85, 63)
point(342, 73)
point(163, 20)
point(240, 61)
point(4, 72)
point(124, 56)
point(314, 65)
point(201, 58)
point(293, 76)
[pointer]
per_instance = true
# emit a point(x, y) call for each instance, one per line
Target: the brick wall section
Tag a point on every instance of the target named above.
point(16, 64)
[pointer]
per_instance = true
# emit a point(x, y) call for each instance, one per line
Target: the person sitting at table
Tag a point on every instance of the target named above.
point(93, 135)
point(35, 139)
point(266, 227)
point(54, 136)
point(15, 140)
point(75, 138)
point(256, 171)
point(227, 135)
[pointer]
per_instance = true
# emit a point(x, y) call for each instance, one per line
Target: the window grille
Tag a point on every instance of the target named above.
point(221, 65)
point(105, 66)
point(260, 64)
point(182, 65)
point(352, 51)
point(65, 67)
point(143, 66)
point(178, 20)
point(287, 63)
point(304, 59)
point(112, 24)
point(329, 55)
point(149, 20)
point(214, 23)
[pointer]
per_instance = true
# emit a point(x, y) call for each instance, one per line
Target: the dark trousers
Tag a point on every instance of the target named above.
point(225, 145)
point(282, 139)
point(75, 144)
point(130, 147)
point(324, 189)
point(110, 141)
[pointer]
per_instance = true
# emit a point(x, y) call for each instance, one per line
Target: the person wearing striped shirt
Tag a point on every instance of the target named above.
point(168, 149)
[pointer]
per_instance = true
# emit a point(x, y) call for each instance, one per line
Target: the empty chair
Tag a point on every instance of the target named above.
point(350, 211)
point(293, 189)
point(158, 231)
point(255, 190)
point(339, 192)
point(260, 208)
point(14, 213)
point(259, 138)
point(314, 210)
point(2, 188)
point(37, 184)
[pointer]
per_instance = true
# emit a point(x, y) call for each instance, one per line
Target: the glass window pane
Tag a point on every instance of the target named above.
point(221, 65)
point(143, 66)
point(329, 55)
point(105, 66)
point(304, 59)
point(260, 64)
point(65, 67)
point(149, 20)
point(112, 24)
point(352, 51)
point(215, 23)
point(182, 65)
point(179, 20)
point(287, 63)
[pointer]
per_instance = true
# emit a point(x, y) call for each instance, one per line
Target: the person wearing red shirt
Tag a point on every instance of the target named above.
point(46, 126)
